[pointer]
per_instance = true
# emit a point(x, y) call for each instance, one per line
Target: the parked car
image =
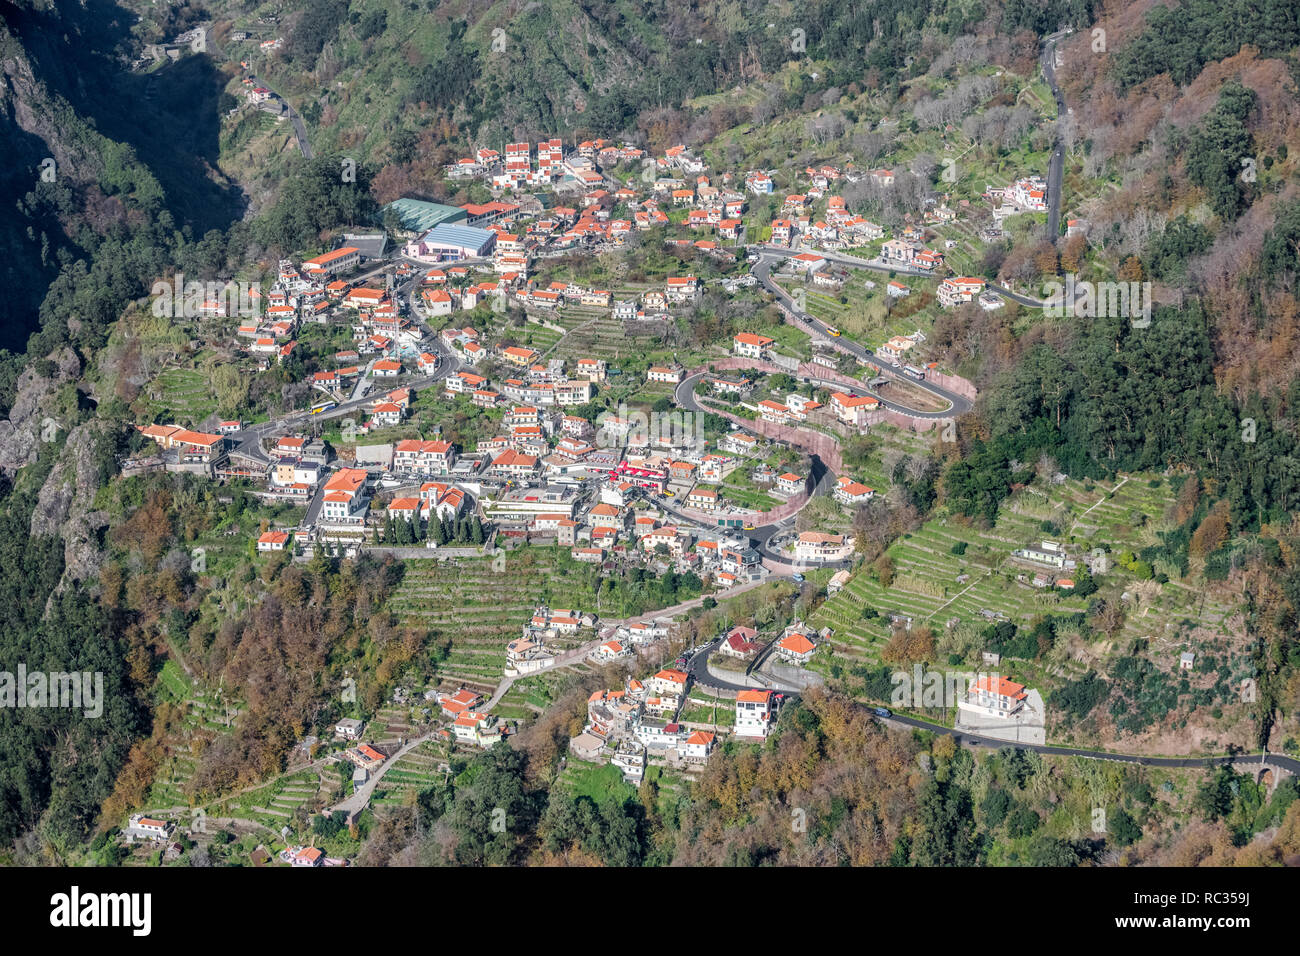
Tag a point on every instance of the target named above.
point(881, 712)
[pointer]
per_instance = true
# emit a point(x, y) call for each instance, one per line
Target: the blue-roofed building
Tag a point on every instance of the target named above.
point(448, 243)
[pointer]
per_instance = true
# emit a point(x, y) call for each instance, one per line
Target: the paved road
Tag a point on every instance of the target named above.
point(762, 271)
point(824, 481)
point(1285, 763)
point(697, 668)
point(1055, 166)
point(299, 130)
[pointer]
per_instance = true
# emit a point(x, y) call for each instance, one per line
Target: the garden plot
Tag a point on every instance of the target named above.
point(1082, 516)
point(479, 610)
point(418, 770)
point(183, 392)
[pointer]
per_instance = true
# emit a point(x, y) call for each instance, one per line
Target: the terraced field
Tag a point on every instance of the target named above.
point(926, 589)
point(890, 443)
point(276, 803)
point(418, 770)
point(394, 723)
point(182, 392)
point(538, 336)
point(597, 334)
point(480, 609)
point(704, 708)
point(206, 715)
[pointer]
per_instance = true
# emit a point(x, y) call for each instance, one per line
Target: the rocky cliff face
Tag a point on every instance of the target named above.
point(64, 504)
point(21, 432)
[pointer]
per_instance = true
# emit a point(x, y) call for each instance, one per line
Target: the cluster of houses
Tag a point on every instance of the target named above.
point(530, 652)
point(640, 721)
point(470, 724)
point(444, 290)
point(527, 379)
point(637, 723)
point(795, 645)
point(837, 229)
point(673, 180)
point(619, 522)
point(1024, 195)
point(1047, 559)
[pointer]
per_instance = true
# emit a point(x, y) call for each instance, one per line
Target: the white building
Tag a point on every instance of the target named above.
point(754, 713)
point(818, 546)
point(994, 697)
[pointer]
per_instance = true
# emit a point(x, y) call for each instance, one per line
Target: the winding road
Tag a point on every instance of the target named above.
point(1056, 165)
point(248, 441)
point(1266, 760)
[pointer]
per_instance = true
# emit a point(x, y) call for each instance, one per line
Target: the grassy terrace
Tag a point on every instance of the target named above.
point(703, 708)
point(182, 392)
point(480, 609)
point(597, 334)
point(869, 315)
point(275, 803)
point(889, 443)
point(925, 586)
point(739, 490)
point(415, 771)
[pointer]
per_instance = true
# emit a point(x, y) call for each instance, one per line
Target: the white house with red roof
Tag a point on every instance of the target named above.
point(1029, 193)
point(340, 260)
point(956, 290)
point(741, 642)
point(993, 696)
point(808, 262)
point(414, 455)
point(797, 647)
point(853, 409)
point(819, 546)
point(345, 496)
point(755, 713)
point(697, 747)
point(274, 541)
point(850, 492)
point(750, 344)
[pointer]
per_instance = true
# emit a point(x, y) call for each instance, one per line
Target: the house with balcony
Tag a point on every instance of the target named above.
point(992, 696)
point(755, 713)
point(817, 547)
point(750, 345)
point(956, 290)
point(345, 497)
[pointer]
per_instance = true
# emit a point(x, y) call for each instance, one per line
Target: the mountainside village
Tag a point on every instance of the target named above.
point(562, 470)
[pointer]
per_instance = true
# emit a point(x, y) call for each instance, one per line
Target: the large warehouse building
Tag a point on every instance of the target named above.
point(449, 243)
point(420, 216)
